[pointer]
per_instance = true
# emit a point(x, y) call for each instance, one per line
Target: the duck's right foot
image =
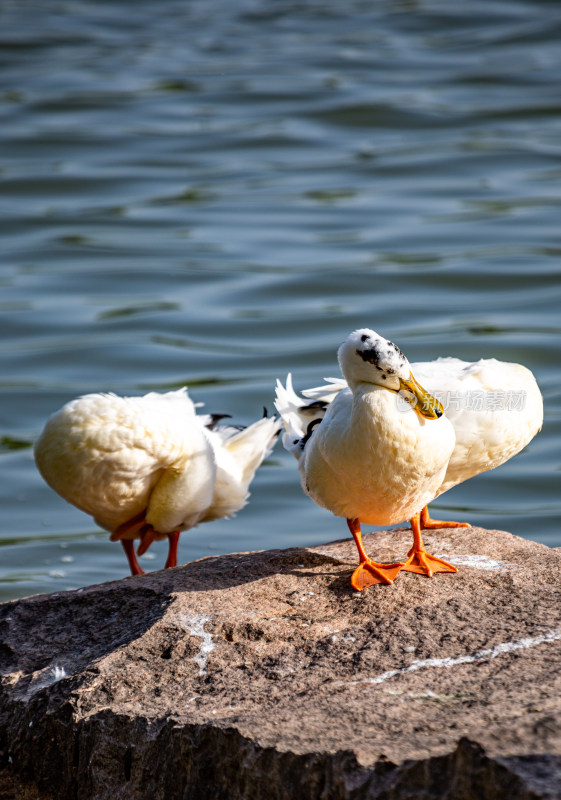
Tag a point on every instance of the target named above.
point(370, 572)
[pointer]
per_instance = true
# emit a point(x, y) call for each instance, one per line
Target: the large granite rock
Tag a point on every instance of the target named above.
point(263, 675)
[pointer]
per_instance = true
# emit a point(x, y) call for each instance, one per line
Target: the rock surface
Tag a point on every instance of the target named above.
point(263, 675)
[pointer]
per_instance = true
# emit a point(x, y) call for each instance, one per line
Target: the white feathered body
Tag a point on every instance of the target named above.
point(363, 454)
point(496, 409)
point(115, 457)
point(358, 464)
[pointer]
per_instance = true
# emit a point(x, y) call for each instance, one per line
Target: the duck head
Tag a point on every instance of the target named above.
point(366, 357)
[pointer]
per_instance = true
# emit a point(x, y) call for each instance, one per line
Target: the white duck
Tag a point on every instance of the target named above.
point(377, 447)
point(150, 467)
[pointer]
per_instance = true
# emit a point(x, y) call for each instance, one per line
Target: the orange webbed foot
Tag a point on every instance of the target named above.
point(424, 564)
point(428, 523)
point(130, 529)
point(148, 536)
point(370, 572)
point(418, 559)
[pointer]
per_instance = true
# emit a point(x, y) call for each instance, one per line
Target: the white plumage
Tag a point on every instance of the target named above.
point(496, 409)
point(367, 455)
point(148, 467)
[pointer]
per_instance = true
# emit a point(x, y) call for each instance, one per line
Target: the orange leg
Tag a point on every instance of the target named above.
point(148, 536)
point(129, 529)
point(419, 560)
point(135, 528)
point(172, 553)
point(135, 567)
point(369, 572)
point(427, 522)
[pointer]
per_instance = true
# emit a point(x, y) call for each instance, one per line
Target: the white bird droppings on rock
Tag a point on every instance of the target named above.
point(195, 624)
point(482, 655)
point(58, 673)
point(478, 561)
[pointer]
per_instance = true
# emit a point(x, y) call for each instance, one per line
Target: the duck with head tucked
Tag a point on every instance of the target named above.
point(377, 447)
point(150, 467)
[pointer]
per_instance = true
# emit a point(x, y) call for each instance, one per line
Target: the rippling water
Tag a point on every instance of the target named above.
point(216, 193)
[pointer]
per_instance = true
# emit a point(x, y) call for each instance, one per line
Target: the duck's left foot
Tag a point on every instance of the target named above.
point(424, 564)
point(418, 559)
point(429, 523)
point(147, 536)
point(130, 529)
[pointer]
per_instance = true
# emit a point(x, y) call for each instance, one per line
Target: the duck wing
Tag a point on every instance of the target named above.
point(301, 415)
point(496, 408)
point(238, 454)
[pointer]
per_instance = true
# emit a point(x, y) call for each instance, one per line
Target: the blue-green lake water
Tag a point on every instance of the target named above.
point(214, 194)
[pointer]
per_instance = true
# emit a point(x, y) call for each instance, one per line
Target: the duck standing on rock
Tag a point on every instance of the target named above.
point(150, 467)
point(377, 447)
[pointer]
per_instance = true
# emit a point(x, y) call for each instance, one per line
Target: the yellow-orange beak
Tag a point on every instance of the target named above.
point(424, 403)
